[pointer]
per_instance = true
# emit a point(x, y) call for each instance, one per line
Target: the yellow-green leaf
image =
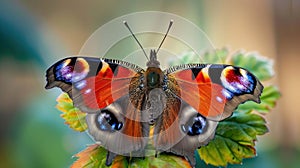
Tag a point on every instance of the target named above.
point(72, 115)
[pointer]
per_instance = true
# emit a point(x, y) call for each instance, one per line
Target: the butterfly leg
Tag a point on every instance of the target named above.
point(109, 158)
point(191, 158)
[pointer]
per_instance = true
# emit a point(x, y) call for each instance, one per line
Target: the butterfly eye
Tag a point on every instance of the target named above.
point(106, 121)
point(195, 126)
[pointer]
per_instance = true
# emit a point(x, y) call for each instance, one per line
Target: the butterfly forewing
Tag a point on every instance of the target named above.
point(213, 90)
point(92, 83)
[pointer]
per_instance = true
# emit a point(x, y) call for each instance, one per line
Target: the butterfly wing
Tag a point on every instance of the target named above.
point(92, 83)
point(198, 96)
point(213, 90)
point(109, 91)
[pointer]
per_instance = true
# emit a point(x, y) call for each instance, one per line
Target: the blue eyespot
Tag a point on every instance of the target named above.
point(106, 121)
point(64, 73)
point(195, 126)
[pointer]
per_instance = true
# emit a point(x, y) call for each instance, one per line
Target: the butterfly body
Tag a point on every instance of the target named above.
point(183, 103)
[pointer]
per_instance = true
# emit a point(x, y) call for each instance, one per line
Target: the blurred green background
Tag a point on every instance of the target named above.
point(34, 34)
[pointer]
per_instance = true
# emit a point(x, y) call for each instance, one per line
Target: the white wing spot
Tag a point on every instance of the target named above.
point(81, 84)
point(219, 99)
point(87, 91)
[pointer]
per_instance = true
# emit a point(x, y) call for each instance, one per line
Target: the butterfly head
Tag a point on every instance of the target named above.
point(153, 62)
point(153, 73)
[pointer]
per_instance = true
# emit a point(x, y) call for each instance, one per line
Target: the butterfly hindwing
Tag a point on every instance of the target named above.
point(178, 130)
point(127, 137)
point(189, 132)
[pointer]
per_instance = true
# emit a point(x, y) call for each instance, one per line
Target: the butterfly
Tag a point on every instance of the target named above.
point(176, 110)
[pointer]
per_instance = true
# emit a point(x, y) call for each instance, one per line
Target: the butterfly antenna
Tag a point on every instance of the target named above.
point(125, 23)
point(170, 25)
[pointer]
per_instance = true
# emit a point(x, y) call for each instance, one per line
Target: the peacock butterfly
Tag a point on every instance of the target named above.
point(175, 110)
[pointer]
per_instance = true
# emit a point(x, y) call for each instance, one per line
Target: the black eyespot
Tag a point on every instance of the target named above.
point(106, 121)
point(195, 126)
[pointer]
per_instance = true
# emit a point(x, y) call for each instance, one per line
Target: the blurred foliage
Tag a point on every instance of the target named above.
point(20, 41)
point(260, 66)
point(30, 137)
point(217, 56)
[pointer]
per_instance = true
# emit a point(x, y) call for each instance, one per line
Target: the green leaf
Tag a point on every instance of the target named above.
point(268, 99)
point(234, 140)
point(162, 160)
point(72, 115)
point(260, 66)
point(94, 156)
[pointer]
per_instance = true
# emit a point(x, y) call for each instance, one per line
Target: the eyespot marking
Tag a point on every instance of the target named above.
point(237, 80)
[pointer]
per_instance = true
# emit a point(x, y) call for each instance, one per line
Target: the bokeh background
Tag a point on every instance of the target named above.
point(35, 33)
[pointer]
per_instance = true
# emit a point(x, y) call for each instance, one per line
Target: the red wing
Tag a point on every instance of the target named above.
point(92, 83)
point(213, 90)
